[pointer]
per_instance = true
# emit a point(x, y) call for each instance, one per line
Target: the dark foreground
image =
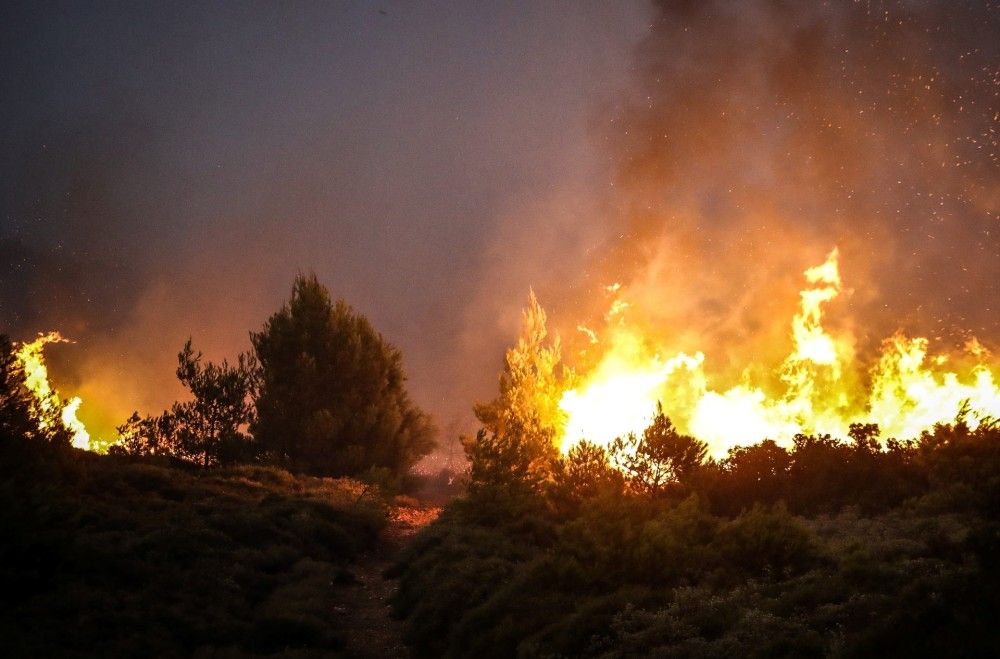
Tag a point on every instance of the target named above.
point(105, 558)
point(831, 549)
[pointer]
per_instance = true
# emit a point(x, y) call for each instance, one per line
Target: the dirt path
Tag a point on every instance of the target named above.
point(364, 605)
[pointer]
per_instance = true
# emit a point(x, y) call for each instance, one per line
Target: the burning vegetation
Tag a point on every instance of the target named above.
point(771, 519)
point(728, 463)
point(50, 409)
point(819, 388)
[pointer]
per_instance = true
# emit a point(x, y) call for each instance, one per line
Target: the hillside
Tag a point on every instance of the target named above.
point(105, 557)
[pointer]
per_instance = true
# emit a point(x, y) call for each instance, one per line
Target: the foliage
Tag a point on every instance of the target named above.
point(211, 428)
point(117, 558)
point(845, 548)
point(16, 418)
point(756, 473)
point(332, 395)
point(521, 424)
point(658, 458)
point(510, 458)
point(586, 473)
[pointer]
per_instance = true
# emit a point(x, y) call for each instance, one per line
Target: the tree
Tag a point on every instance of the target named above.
point(865, 437)
point(821, 476)
point(333, 399)
point(521, 424)
point(753, 474)
point(15, 400)
point(210, 429)
point(21, 414)
point(507, 460)
point(659, 457)
point(146, 435)
point(586, 472)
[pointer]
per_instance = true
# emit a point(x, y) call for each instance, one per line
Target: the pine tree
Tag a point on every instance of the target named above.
point(210, 429)
point(522, 424)
point(332, 396)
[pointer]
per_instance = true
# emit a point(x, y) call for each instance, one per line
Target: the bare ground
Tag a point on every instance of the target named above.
point(364, 604)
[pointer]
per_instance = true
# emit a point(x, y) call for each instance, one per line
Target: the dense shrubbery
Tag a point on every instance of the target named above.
point(835, 546)
point(832, 547)
point(106, 557)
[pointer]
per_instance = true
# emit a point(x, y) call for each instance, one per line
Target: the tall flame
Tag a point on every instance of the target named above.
point(908, 391)
point(36, 376)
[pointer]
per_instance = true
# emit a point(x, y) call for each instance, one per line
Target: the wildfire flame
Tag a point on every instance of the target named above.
point(907, 390)
point(30, 357)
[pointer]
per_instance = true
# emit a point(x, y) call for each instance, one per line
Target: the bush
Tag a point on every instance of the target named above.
point(576, 570)
point(135, 559)
point(766, 540)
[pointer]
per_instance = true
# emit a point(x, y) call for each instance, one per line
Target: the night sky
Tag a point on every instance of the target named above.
point(167, 169)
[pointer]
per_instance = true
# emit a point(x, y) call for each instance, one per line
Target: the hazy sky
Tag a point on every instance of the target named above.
point(167, 169)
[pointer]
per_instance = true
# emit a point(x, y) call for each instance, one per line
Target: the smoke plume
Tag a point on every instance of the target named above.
point(760, 134)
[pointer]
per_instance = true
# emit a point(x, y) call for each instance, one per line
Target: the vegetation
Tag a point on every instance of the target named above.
point(830, 548)
point(150, 555)
point(659, 458)
point(516, 446)
point(322, 393)
point(108, 557)
point(207, 430)
point(21, 414)
point(333, 399)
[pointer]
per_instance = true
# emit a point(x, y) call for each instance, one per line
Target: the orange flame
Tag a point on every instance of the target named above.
point(907, 392)
point(36, 374)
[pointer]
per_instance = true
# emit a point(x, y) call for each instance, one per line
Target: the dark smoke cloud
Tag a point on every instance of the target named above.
point(760, 134)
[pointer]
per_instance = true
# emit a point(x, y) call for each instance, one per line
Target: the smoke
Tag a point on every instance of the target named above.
point(760, 134)
point(166, 172)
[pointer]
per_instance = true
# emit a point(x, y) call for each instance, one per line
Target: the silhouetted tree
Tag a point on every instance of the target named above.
point(957, 457)
point(821, 474)
point(333, 399)
point(752, 474)
point(15, 400)
point(211, 428)
point(659, 457)
point(586, 472)
point(865, 437)
point(146, 435)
